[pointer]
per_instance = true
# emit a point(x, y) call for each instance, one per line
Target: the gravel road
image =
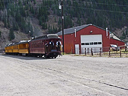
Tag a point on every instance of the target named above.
point(64, 76)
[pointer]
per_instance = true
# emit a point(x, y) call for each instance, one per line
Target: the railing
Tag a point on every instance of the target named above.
point(105, 52)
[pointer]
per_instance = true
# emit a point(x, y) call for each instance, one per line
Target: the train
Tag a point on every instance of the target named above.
point(48, 46)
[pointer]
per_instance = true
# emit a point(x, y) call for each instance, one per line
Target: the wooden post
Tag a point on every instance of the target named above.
point(125, 48)
point(85, 51)
point(88, 50)
point(109, 52)
point(120, 53)
point(100, 52)
point(91, 52)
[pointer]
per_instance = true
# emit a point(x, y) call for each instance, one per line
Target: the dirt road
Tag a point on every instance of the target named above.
point(63, 76)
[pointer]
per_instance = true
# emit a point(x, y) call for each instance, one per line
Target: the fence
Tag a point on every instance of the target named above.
point(122, 51)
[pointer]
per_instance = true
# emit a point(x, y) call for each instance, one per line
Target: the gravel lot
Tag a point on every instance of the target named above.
point(64, 76)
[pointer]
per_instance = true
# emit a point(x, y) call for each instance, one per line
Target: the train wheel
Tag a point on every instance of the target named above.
point(45, 56)
point(40, 55)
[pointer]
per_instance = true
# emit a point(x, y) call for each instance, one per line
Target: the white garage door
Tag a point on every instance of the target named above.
point(91, 41)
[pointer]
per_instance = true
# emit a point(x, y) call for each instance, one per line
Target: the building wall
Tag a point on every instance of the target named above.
point(70, 39)
point(95, 31)
point(68, 43)
point(116, 42)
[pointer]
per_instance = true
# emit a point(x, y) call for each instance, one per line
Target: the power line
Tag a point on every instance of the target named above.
point(95, 3)
point(100, 10)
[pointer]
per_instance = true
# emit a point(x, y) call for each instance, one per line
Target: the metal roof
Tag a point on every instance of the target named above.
point(72, 30)
point(46, 36)
point(23, 41)
point(113, 36)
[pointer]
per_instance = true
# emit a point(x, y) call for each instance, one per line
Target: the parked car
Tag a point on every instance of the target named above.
point(114, 47)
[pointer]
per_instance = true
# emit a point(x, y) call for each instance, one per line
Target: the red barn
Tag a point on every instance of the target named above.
point(88, 36)
point(115, 40)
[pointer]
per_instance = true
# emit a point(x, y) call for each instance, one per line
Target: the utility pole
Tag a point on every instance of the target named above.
point(62, 23)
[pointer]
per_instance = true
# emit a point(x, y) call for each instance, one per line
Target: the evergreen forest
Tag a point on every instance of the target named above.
point(17, 14)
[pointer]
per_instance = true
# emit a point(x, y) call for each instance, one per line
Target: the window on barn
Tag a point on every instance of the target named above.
point(99, 43)
point(86, 43)
point(82, 43)
point(95, 43)
point(91, 43)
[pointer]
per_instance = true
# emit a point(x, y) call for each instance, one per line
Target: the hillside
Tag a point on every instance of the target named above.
point(4, 37)
point(36, 17)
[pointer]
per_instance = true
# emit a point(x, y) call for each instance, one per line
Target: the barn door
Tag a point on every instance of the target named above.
point(76, 48)
point(91, 41)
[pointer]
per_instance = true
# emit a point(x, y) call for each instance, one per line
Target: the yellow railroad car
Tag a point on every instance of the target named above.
point(9, 49)
point(23, 47)
point(15, 48)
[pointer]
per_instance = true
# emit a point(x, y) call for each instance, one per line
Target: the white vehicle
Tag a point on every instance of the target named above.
point(114, 47)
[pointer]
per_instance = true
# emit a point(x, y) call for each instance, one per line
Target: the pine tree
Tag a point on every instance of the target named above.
point(44, 26)
point(15, 26)
point(5, 22)
point(0, 34)
point(34, 1)
point(11, 35)
point(1, 4)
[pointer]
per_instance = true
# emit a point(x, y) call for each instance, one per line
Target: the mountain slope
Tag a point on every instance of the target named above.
point(36, 17)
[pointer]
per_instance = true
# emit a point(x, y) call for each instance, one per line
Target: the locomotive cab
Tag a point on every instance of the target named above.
point(53, 48)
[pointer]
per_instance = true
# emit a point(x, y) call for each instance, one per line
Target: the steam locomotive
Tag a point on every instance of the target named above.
point(48, 46)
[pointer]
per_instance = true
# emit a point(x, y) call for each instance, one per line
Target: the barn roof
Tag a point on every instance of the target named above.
point(72, 30)
point(113, 36)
